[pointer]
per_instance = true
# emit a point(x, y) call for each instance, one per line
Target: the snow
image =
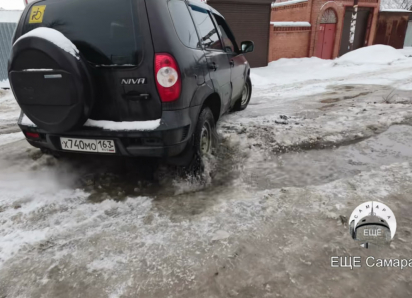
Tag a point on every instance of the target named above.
point(283, 71)
point(111, 125)
point(26, 121)
point(395, 10)
point(5, 84)
point(114, 65)
point(88, 222)
point(407, 51)
point(290, 2)
point(10, 138)
point(376, 54)
point(9, 110)
point(55, 37)
point(290, 24)
point(38, 69)
point(131, 126)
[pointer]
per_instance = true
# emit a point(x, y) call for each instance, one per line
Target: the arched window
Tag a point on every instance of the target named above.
point(328, 17)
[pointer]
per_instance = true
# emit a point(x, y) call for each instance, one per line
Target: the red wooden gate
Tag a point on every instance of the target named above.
point(326, 35)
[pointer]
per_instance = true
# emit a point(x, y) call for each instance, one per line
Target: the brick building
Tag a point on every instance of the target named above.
point(299, 28)
point(306, 28)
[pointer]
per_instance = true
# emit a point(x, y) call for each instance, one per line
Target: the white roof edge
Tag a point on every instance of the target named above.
point(291, 24)
point(395, 10)
point(290, 2)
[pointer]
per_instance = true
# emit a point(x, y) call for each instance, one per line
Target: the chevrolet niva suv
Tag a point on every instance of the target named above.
point(126, 77)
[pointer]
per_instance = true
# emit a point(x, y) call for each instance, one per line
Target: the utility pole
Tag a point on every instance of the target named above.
point(353, 24)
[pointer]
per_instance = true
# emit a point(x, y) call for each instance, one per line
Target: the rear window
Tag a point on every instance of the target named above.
point(104, 31)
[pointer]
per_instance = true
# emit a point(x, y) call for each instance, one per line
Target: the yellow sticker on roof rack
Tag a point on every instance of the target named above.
point(37, 13)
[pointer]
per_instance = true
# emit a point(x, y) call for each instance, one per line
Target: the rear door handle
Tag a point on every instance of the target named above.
point(232, 63)
point(213, 66)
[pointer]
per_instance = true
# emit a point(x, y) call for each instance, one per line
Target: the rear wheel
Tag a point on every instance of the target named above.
point(244, 100)
point(204, 141)
point(205, 133)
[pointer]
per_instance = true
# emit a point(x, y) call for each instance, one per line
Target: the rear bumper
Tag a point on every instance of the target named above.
point(168, 140)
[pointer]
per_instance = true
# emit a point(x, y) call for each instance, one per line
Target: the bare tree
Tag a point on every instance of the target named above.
point(396, 4)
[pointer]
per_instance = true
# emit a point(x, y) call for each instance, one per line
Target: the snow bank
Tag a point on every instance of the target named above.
point(290, 24)
point(55, 37)
point(303, 76)
point(283, 71)
point(407, 51)
point(134, 125)
point(377, 54)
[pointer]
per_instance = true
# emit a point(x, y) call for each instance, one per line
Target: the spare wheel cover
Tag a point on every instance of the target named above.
point(51, 81)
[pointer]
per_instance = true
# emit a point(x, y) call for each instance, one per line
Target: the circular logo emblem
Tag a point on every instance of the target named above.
point(372, 223)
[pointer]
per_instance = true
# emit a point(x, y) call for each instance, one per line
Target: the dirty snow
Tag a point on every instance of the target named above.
point(10, 138)
point(55, 37)
point(318, 139)
point(132, 125)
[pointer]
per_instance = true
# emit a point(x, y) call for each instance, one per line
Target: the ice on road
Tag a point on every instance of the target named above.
point(319, 138)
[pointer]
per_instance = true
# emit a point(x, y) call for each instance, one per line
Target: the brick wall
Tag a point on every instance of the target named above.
point(288, 42)
point(299, 12)
point(319, 6)
point(302, 43)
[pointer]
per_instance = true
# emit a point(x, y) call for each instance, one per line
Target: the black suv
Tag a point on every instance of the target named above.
point(126, 77)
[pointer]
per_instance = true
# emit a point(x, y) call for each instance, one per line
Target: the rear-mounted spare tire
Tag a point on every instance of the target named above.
point(51, 80)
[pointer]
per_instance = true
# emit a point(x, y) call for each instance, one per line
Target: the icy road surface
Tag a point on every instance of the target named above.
point(269, 214)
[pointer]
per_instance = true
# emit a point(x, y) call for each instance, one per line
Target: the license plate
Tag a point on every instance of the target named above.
point(84, 145)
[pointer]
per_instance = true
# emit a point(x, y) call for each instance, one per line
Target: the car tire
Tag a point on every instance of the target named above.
point(205, 132)
point(244, 100)
point(204, 141)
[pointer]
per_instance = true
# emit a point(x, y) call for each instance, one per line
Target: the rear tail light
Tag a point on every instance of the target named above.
point(168, 81)
point(32, 135)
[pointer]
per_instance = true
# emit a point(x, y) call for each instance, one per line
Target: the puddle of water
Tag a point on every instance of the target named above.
point(322, 166)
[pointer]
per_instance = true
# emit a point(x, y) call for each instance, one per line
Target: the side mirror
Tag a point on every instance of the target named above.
point(247, 46)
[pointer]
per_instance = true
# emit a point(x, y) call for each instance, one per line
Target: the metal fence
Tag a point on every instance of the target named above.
point(6, 35)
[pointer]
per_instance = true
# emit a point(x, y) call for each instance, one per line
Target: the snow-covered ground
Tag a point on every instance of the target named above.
point(319, 138)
